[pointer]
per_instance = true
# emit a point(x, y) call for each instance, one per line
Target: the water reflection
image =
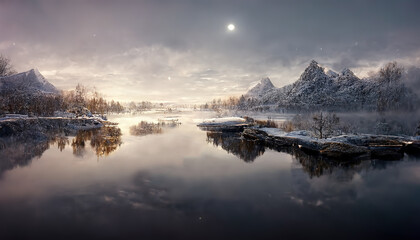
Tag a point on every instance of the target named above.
point(246, 150)
point(20, 150)
point(103, 141)
point(61, 141)
point(189, 194)
point(18, 154)
point(313, 164)
point(145, 128)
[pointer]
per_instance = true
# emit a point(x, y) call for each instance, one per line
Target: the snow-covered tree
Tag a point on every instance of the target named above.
point(391, 90)
point(391, 73)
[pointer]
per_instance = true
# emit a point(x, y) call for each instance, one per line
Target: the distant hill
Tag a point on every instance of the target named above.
point(30, 82)
point(260, 89)
point(319, 90)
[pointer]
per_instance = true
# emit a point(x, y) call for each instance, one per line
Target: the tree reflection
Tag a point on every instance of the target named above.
point(62, 142)
point(19, 150)
point(106, 141)
point(316, 165)
point(313, 164)
point(246, 150)
point(145, 128)
point(103, 141)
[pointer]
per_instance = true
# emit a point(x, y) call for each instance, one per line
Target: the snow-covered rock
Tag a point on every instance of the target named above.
point(345, 146)
point(223, 121)
point(227, 124)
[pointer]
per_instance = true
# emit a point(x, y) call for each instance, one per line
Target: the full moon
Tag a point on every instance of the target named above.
point(231, 27)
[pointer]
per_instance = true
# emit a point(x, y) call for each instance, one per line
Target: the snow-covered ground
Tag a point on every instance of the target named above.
point(344, 146)
point(305, 135)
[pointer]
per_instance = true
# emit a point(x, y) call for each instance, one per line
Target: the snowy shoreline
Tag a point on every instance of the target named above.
point(39, 127)
point(345, 146)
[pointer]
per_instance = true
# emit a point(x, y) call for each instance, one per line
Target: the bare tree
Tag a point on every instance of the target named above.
point(324, 125)
point(6, 68)
point(80, 95)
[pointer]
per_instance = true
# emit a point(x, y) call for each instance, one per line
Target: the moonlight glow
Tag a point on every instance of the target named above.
point(231, 27)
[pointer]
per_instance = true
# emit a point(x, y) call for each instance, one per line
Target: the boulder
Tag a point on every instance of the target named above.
point(255, 134)
point(337, 149)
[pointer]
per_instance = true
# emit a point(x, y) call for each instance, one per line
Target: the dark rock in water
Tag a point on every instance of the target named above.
point(336, 150)
point(386, 147)
point(282, 141)
point(223, 128)
point(413, 148)
point(387, 152)
point(354, 147)
point(254, 134)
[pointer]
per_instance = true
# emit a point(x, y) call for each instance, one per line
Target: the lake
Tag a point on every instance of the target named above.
point(179, 182)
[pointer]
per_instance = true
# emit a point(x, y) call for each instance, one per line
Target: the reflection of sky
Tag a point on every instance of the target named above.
point(183, 186)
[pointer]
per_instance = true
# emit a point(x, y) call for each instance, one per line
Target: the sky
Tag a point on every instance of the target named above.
point(182, 51)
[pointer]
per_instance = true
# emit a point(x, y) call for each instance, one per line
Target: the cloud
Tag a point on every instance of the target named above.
point(134, 46)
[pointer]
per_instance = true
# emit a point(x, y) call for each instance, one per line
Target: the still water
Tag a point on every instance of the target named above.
point(179, 182)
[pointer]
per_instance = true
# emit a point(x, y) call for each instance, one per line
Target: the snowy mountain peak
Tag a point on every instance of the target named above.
point(316, 90)
point(332, 74)
point(261, 88)
point(313, 72)
point(313, 63)
point(267, 82)
point(29, 82)
point(347, 73)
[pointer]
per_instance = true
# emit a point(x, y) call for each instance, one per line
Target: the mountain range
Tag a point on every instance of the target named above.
point(319, 90)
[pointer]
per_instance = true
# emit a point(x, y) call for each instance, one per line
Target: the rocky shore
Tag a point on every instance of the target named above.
point(38, 128)
point(344, 147)
point(341, 147)
point(24, 138)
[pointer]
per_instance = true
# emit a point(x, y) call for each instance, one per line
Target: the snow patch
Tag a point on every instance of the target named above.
point(223, 121)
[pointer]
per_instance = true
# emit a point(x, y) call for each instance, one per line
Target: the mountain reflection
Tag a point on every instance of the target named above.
point(20, 150)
